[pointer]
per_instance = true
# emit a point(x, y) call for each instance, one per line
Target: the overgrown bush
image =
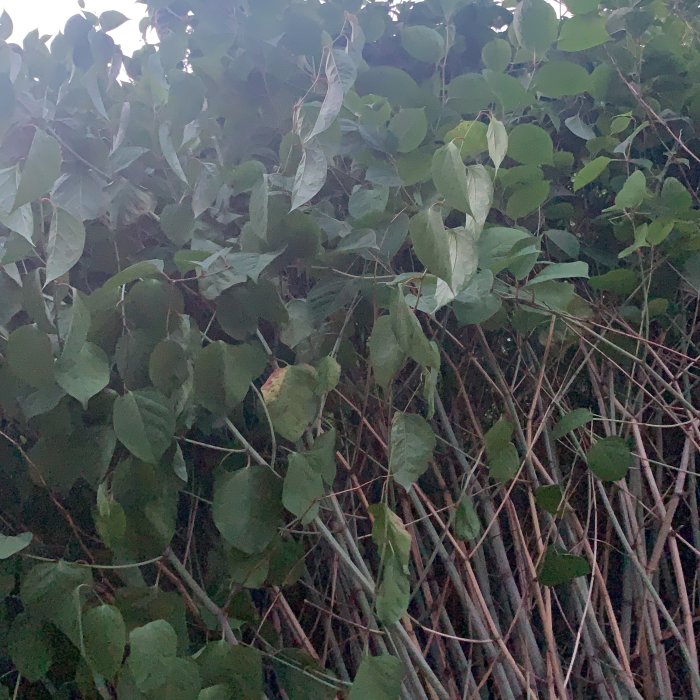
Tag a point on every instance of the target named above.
point(350, 350)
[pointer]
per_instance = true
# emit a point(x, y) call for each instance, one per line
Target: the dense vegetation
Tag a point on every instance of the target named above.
point(350, 350)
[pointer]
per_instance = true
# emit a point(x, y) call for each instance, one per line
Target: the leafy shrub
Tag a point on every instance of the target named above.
point(350, 349)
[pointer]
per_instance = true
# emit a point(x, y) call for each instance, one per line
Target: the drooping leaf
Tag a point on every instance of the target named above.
point(340, 71)
point(503, 459)
point(590, 172)
point(610, 458)
point(632, 193)
point(144, 423)
point(467, 525)
point(379, 677)
point(247, 508)
point(560, 567)
point(497, 139)
point(29, 647)
point(302, 489)
point(65, 245)
point(409, 333)
point(450, 176)
point(410, 126)
point(431, 242)
point(41, 169)
point(11, 544)
point(85, 374)
point(30, 356)
point(291, 398)
point(385, 353)
point(139, 270)
point(104, 639)
point(411, 446)
point(557, 271)
point(223, 373)
point(311, 174)
point(572, 420)
point(549, 498)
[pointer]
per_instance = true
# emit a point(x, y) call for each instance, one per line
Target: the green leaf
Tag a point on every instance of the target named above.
point(223, 373)
point(341, 72)
point(423, 43)
point(140, 270)
point(78, 326)
point(411, 444)
point(535, 24)
point(582, 32)
point(675, 196)
point(508, 90)
point(470, 137)
point(409, 126)
point(610, 458)
point(572, 420)
point(467, 525)
point(379, 678)
point(11, 544)
point(590, 172)
point(310, 176)
point(431, 242)
point(531, 145)
point(549, 498)
point(84, 375)
point(450, 176)
point(503, 459)
point(30, 356)
point(303, 489)
point(302, 678)
point(168, 368)
point(497, 54)
point(394, 543)
point(365, 203)
point(567, 242)
point(556, 271)
point(104, 640)
point(632, 193)
point(558, 567)
point(239, 667)
point(144, 423)
point(527, 198)
point(385, 353)
point(621, 281)
point(65, 244)
point(41, 169)
point(177, 222)
point(479, 193)
point(290, 394)
point(247, 508)
point(111, 19)
point(409, 333)
point(327, 375)
point(29, 647)
point(52, 592)
point(582, 7)
point(84, 453)
point(321, 457)
point(497, 139)
point(168, 149)
point(560, 79)
point(150, 648)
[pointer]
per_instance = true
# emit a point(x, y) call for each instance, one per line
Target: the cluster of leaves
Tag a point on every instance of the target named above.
point(214, 251)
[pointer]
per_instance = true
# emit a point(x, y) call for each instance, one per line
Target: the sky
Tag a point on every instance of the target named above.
point(49, 16)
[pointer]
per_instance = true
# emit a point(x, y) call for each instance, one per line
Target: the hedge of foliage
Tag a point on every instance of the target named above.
point(349, 349)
